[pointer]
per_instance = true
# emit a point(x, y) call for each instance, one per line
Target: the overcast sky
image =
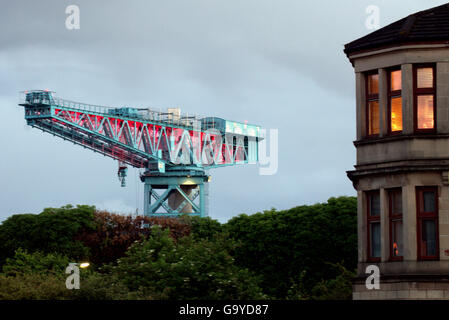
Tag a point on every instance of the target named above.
point(279, 64)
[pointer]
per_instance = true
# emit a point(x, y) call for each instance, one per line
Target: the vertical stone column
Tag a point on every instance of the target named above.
point(442, 98)
point(407, 98)
point(361, 229)
point(360, 104)
point(383, 102)
point(409, 222)
point(443, 221)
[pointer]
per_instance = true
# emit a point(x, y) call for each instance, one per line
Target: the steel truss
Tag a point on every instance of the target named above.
point(174, 155)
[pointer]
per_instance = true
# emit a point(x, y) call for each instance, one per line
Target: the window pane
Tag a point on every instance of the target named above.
point(425, 112)
point(374, 203)
point(396, 235)
point(373, 84)
point(428, 201)
point(425, 77)
point(373, 117)
point(395, 80)
point(375, 239)
point(428, 241)
point(396, 114)
point(396, 202)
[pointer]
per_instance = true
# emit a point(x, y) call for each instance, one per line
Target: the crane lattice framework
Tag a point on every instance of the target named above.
point(175, 150)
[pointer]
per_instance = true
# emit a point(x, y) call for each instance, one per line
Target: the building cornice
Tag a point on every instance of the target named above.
point(400, 137)
point(408, 46)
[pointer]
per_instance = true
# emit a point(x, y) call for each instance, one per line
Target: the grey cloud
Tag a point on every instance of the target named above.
point(275, 63)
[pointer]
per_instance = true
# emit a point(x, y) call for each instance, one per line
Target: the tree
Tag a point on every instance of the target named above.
point(280, 245)
point(113, 234)
point(339, 288)
point(300, 253)
point(186, 269)
point(203, 227)
point(53, 230)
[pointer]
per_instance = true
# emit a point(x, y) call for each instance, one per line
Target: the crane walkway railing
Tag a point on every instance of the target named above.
point(172, 116)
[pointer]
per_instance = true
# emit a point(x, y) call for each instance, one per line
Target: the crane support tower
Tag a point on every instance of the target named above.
point(174, 150)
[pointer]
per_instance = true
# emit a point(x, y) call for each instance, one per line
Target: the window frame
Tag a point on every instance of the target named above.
point(393, 94)
point(424, 91)
point(394, 217)
point(370, 219)
point(420, 216)
point(370, 98)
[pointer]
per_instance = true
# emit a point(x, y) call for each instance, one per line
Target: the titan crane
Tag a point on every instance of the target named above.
point(174, 149)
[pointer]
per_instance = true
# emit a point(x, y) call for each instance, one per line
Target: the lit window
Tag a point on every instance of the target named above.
point(395, 215)
point(427, 223)
point(395, 102)
point(425, 112)
point(395, 80)
point(372, 105)
point(373, 219)
point(424, 98)
point(373, 84)
point(373, 117)
point(425, 77)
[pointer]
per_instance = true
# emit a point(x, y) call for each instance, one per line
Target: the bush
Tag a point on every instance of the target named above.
point(33, 286)
point(37, 262)
point(39, 276)
point(34, 276)
point(97, 286)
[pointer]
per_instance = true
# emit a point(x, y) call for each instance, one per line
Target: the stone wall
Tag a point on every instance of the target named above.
point(403, 289)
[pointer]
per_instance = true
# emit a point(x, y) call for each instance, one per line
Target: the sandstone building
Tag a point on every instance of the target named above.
point(402, 169)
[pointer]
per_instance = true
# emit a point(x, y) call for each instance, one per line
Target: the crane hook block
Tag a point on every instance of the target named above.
point(122, 173)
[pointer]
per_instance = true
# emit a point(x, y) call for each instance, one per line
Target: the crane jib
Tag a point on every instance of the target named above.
point(174, 149)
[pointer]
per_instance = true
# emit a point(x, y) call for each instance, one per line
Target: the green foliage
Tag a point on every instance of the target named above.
point(339, 288)
point(279, 245)
point(301, 253)
point(36, 262)
point(114, 233)
point(53, 230)
point(97, 286)
point(39, 276)
point(204, 228)
point(187, 269)
point(34, 276)
point(30, 286)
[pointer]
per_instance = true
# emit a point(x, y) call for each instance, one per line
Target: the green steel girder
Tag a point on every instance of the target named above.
point(172, 183)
